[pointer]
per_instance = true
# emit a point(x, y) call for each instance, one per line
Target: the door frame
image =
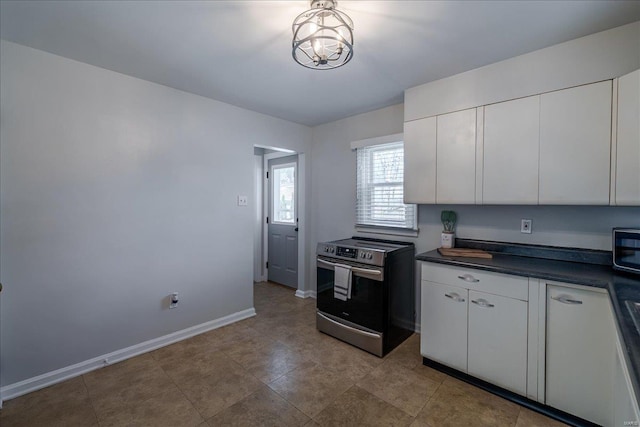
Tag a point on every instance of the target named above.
point(301, 215)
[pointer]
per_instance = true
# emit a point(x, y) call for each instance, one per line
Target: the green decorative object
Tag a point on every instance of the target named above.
point(449, 219)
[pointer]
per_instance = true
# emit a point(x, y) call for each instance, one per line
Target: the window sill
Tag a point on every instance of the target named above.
point(387, 231)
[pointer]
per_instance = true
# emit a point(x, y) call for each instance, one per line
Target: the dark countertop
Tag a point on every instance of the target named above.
point(568, 265)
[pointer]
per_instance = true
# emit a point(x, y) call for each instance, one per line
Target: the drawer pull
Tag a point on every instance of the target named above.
point(483, 303)
point(468, 278)
point(566, 299)
point(454, 296)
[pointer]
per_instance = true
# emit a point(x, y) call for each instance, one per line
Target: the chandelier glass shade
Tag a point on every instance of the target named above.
point(322, 36)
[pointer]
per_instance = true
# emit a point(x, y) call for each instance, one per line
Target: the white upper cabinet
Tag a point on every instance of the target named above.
point(627, 166)
point(575, 144)
point(511, 141)
point(456, 157)
point(420, 161)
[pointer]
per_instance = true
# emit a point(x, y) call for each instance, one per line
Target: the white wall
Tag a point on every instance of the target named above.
point(116, 192)
point(588, 59)
point(334, 180)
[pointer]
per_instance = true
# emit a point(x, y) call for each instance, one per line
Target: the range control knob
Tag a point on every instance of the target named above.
point(332, 249)
point(369, 255)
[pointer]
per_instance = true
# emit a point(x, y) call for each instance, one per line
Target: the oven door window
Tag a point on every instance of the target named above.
point(365, 307)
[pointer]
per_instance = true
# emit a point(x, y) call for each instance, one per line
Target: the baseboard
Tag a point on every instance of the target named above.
point(41, 381)
point(305, 294)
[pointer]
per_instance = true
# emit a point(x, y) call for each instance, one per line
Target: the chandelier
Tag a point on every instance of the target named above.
point(322, 36)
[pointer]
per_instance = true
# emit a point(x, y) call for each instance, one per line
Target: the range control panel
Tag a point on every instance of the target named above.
point(364, 256)
point(347, 252)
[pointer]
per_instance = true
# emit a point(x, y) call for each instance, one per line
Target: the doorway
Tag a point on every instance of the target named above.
point(286, 257)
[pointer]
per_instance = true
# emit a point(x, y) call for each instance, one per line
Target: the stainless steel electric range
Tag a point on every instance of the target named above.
point(366, 292)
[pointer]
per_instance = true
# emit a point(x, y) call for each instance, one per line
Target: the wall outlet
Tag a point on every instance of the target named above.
point(243, 200)
point(525, 226)
point(173, 300)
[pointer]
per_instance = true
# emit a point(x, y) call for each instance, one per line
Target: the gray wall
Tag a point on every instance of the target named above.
point(116, 192)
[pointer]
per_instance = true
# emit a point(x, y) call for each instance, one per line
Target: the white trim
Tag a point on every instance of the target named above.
point(397, 137)
point(390, 231)
point(258, 262)
point(286, 151)
point(302, 223)
point(306, 294)
point(41, 381)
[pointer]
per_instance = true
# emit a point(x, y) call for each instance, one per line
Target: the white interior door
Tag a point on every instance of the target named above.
point(282, 264)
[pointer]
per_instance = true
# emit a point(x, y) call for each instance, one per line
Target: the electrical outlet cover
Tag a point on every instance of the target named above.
point(525, 226)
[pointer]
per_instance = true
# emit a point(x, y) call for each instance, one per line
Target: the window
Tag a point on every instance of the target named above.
point(284, 191)
point(380, 188)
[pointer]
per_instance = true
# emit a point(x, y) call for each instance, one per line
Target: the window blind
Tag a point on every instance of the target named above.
point(380, 188)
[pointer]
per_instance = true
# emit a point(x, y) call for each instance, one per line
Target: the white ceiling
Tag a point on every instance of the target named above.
point(239, 52)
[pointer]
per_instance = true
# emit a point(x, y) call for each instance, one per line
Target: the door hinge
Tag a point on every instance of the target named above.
point(267, 220)
point(266, 264)
point(267, 174)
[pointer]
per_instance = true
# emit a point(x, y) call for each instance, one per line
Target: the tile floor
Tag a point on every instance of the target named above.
point(274, 369)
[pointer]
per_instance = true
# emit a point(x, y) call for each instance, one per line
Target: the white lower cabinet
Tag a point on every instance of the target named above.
point(625, 408)
point(467, 326)
point(483, 324)
point(444, 324)
point(498, 340)
point(580, 353)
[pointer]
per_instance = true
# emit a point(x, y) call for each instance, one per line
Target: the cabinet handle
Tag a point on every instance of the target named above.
point(454, 296)
point(483, 303)
point(468, 278)
point(566, 299)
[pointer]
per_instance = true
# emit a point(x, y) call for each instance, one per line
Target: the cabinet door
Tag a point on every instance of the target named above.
point(456, 157)
point(511, 142)
point(624, 408)
point(580, 353)
point(443, 324)
point(498, 340)
point(420, 161)
point(575, 145)
point(628, 141)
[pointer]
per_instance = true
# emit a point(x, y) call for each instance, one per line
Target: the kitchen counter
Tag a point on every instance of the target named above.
point(578, 266)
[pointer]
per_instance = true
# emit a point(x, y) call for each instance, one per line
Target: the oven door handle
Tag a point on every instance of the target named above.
point(357, 331)
point(354, 269)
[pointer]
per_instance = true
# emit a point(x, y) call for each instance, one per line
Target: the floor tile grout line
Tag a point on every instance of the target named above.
point(91, 402)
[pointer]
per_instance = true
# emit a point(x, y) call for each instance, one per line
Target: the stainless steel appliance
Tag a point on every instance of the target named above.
point(379, 311)
point(626, 249)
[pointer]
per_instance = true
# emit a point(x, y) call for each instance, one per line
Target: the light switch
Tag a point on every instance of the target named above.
point(243, 200)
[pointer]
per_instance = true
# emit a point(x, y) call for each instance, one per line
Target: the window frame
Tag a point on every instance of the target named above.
point(294, 206)
point(364, 220)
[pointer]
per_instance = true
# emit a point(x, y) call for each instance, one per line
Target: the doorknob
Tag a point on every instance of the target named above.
point(296, 230)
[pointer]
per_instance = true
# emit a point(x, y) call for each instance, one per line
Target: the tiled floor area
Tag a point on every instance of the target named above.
point(274, 369)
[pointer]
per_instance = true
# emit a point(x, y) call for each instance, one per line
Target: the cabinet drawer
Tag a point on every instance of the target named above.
point(493, 283)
